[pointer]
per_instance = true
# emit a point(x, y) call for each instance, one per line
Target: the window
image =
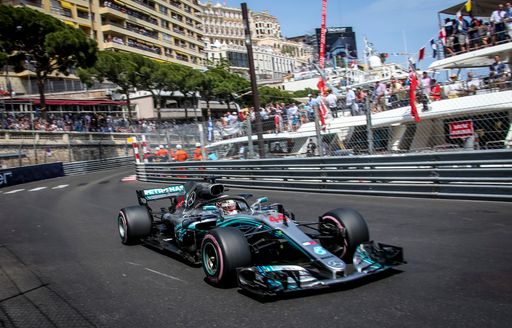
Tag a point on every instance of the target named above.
point(164, 10)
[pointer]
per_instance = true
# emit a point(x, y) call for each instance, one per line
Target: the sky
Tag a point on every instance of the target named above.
point(391, 25)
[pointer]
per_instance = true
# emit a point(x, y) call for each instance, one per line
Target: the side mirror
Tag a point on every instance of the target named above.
point(207, 208)
point(259, 201)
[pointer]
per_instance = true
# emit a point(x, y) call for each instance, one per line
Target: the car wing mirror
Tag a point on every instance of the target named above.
point(208, 208)
point(259, 201)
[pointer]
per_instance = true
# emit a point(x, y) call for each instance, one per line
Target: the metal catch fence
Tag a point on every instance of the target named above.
point(485, 175)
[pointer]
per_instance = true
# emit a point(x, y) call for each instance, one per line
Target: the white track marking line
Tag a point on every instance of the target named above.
point(13, 191)
point(163, 274)
point(129, 178)
point(60, 186)
point(37, 189)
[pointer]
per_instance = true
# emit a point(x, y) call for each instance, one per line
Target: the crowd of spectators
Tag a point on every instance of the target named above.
point(462, 35)
point(275, 117)
point(90, 122)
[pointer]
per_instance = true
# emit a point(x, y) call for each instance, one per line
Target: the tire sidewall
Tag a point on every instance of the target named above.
point(356, 229)
point(232, 252)
point(217, 277)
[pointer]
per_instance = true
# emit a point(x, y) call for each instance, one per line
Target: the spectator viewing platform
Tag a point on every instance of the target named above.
point(471, 36)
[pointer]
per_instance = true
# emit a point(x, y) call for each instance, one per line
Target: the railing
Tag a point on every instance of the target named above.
point(79, 168)
point(482, 175)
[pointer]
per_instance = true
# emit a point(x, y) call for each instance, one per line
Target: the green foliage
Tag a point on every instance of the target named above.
point(272, 95)
point(49, 44)
point(303, 93)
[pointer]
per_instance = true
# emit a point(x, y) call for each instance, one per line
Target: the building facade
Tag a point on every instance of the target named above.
point(164, 30)
point(274, 57)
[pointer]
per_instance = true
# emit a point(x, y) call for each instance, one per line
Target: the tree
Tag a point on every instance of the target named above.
point(270, 95)
point(189, 85)
point(27, 35)
point(117, 67)
point(157, 78)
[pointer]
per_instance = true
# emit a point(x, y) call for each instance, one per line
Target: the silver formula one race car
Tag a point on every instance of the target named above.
point(261, 246)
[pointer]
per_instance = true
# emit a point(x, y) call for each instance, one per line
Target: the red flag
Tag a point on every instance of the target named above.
point(442, 36)
point(412, 97)
point(322, 33)
point(322, 110)
point(321, 86)
point(421, 55)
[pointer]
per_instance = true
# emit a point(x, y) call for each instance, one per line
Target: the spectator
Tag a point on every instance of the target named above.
point(497, 20)
point(472, 84)
point(379, 97)
point(508, 19)
point(332, 102)
point(435, 91)
point(426, 83)
point(180, 155)
point(462, 27)
point(455, 88)
point(351, 103)
point(198, 154)
point(449, 30)
point(311, 148)
point(499, 72)
point(398, 93)
point(473, 33)
point(162, 153)
point(485, 33)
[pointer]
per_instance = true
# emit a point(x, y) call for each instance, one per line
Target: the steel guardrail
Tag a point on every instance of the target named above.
point(83, 167)
point(484, 175)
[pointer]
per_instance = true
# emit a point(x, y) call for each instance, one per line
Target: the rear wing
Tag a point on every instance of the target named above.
point(146, 195)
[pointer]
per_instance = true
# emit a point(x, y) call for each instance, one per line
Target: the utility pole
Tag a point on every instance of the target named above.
point(254, 85)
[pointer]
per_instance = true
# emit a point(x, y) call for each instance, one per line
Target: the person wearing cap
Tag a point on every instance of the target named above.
point(455, 88)
point(198, 154)
point(162, 153)
point(180, 155)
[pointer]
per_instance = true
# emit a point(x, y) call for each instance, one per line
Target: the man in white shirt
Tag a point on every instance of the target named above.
point(350, 102)
point(332, 103)
point(498, 20)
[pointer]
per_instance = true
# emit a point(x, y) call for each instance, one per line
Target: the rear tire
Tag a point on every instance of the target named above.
point(223, 250)
point(133, 223)
point(349, 229)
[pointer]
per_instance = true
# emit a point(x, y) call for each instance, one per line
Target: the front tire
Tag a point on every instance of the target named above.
point(133, 223)
point(223, 250)
point(348, 229)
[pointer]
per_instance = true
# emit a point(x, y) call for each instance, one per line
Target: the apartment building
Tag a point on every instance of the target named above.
point(274, 56)
point(164, 30)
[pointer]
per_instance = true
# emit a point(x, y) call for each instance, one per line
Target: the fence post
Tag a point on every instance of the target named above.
point(145, 148)
point(135, 146)
point(369, 131)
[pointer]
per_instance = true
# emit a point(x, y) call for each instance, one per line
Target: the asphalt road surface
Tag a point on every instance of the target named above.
point(62, 265)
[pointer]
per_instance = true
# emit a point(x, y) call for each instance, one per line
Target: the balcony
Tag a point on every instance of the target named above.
point(133, 14)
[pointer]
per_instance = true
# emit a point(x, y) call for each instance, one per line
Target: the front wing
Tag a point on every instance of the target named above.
point(369, 258)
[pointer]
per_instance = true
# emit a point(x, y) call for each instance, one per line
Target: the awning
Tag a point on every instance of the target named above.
point(82, 8)
point(481, 8)
point(66, 4)
point(71, 23)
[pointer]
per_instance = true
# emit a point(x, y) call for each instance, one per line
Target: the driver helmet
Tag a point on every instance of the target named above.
point(229, 207)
